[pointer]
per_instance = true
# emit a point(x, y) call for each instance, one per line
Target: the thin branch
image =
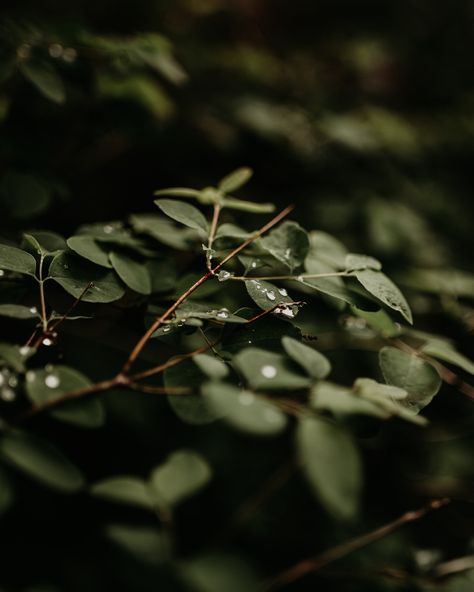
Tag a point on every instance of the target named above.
point(44, 319)
point(169, 363)
point(159, 390)
point(146, 337)
point(72, 307)
point(314, 564)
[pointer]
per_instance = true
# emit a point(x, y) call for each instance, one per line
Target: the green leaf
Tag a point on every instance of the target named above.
point(410, 372)
point(17, 311)
point(53, 382)
point(74, 275)
point(182, 475)
point(218, 573)
point(41, 461)
point(244, 410)
point(184, 213)
point(341, 401)
point(145, 543)
point(332, 465)
point(190, 409)
point(327, 249)
point(90, 249)
point(211, 366)
point(45, 78)
point(197, 310)
point(235, 180)
point(252, 207)
point(315, 364)
point(444, 351)
point(124, 489)
point(353, 262)
point(49, 242)
point(380, 286)
point(288, 243)
point(131, 272)
point(179, 192)
point(267, 296)
point(163, 230)
point(232, 231)
point(330, 286)
point(267, 370)
point(379, 321)
point(13, 259)
point(15, 356)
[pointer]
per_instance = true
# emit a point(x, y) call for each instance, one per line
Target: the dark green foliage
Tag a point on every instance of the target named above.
point(300, 395)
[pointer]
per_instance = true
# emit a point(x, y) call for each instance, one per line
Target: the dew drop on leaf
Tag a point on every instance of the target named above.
point(52, 381)
point(268, 371)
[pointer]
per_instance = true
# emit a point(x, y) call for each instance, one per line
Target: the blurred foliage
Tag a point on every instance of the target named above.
point(361, 114)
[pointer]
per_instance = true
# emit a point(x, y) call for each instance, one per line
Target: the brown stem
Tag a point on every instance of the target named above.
point(313, 564)
point(169, 363)
point(146, 337)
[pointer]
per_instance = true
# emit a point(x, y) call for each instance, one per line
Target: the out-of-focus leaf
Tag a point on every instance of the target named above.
point(411, 373)
point(244, 410)
point(235, 180)
point(45, 78)
point(41, 461)
point(48, 384)
point(182, 475)
point(267, 370)
point(124, 489)
point(315, 364)
point(332, 465)
point(13, 259)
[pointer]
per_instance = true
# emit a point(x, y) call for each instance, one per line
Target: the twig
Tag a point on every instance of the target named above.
point(212, 234)
point(313, 564)
point(146, 337)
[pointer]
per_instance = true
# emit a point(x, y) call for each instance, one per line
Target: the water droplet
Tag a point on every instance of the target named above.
point(30, 376)
point(33, 310)
point(287, 253)
point(288, 312)
point(283, 292)
point(271, 295)
point(52, 381)
point(69, 55)
point(66, 266)
point(253, 265)
point(47, 341)
point(246, 398)
point(300, 278)
point(24, 51)
point(249, 341)
point(181, 323)
point(166, 329)
point(55, 50)
point(268, 371)
point(108, 229)
point(7, 394)
point(13, 381)
point(223, 276)
point(223, 313)
point(2, 272)
point(25, 350)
